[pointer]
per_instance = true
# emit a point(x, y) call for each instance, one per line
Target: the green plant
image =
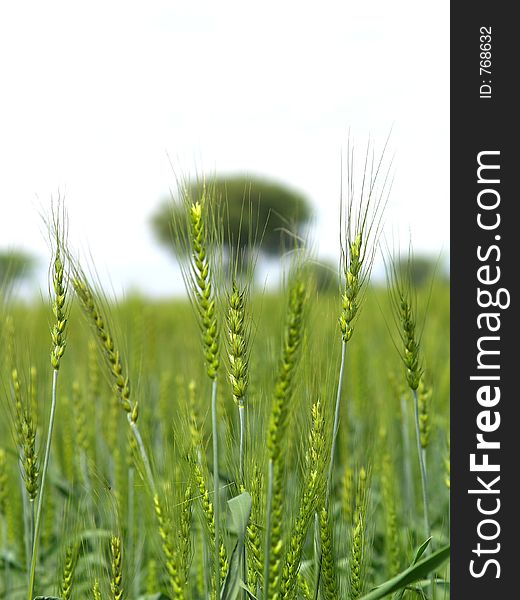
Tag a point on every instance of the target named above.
point(316, 506)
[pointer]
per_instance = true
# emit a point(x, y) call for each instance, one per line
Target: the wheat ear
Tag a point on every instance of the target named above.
point(172, 567)
point(121, 382)
point(116, 568)
point(277, 430)
point(59, 281)
point(238, 358)
point(201, 288)
point(392, 538)
point(357, 563)
point(403, 302)
point(313, 489)
point(96, 591)
point(69, 568)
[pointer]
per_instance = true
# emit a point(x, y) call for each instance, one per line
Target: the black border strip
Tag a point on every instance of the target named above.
point(480, 124)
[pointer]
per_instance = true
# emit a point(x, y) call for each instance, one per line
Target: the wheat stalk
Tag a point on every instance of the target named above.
point(59, 282)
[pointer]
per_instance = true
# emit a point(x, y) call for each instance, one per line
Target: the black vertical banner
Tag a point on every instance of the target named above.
point(485, 267)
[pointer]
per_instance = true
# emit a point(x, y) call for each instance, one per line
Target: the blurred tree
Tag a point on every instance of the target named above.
point(15, 265)
point(253, 215)
point(421, 268)
point(324, 275)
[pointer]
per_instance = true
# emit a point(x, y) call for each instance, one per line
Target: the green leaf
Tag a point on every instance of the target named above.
point(414, 573)
point(158, 596)
point(248, 591)
point(421, 550)
point(240, 509)
point(439, 583)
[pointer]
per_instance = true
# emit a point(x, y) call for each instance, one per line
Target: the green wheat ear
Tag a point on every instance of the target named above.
point(353, 282)
point(116, 570)
point(68, 571)
point(202, 287)
point(347, 493)
point(120, 380)
point(361, 214)
point(328, 568)
point(358, 551)
point(96, 592)
point(254, 540)
point(171, 557)
point(424, 393)
point(59, 309)
point(290, 355)
point(238, 361)
point(91, 308)
point(25, 428)
point(403, 302)
point(237, 344)
point(278, 424)
point(33, 391)
point(360, 226)
point(30, 459)
point(313, 487)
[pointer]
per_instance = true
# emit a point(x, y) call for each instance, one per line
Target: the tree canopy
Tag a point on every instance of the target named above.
point(14, 266)
point(420, 270)
point(250, 213)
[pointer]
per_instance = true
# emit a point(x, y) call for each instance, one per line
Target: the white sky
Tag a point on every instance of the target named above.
point(94, 97)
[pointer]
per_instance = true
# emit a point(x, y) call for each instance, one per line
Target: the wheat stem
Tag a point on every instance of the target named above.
point(330, 473)
point(37, 524)
point(335, 427)
point(422, 464)
point(144, 455)
point(58, 349)
point(216, 511)
point(410, 499)
point(424, 477)
point(131, 545)
point(269, 509)
point(241, 415)
point(26, 526)
point(242, 419)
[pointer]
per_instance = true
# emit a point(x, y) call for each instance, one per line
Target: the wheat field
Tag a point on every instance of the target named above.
point(238, 443)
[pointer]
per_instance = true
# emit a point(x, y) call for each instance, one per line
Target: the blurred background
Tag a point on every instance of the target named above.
point(106, 104)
